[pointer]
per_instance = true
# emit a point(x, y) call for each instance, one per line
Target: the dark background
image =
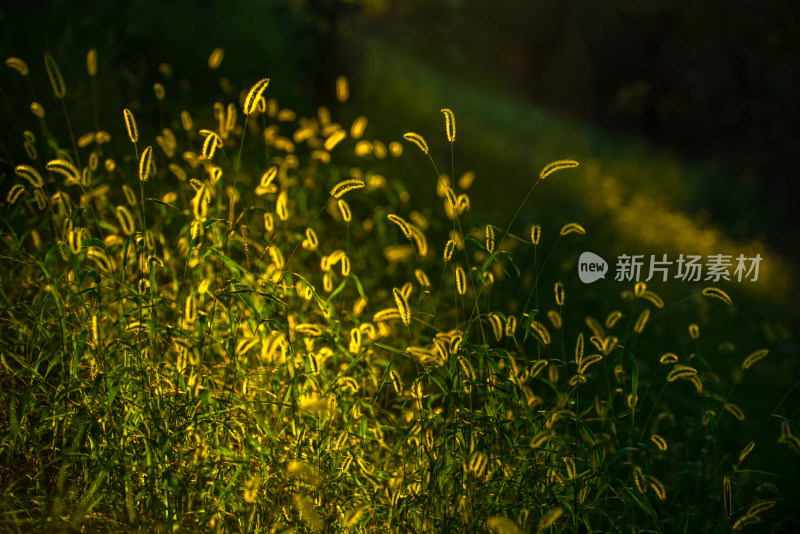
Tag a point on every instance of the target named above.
point(712, 81)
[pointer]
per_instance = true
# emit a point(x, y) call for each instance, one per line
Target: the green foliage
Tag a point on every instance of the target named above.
point(220, 348)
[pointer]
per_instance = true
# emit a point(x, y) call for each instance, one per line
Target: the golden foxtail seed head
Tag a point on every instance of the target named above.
point(759, 507)
point(215, 59)
point(681, 371)
point(497, 326)
point(210, 145)
point(658, 488)
point(56, 80)
point(588, 361)
point(639, 288)
point(536, 234)
point(18, 65)
point(91, 62)
point(30, 149)
point(579, 349)
point(694, 331)
point(251, 101)
point(449, 247)
point(14, 193)
point(125, 220)
point(334, 139)
point(358, 127)
point(461, 281)
point(751, 359)
point(747, 450)
point(555, 318)
point(668, 359)
point(86, 139)
point(659, 441)
point(717, 293)
point(342, 89)
point(449, 124)
point(726, 495)
point(130, 125)
point(396, 382)
point(186, 120)
point(41, 199)
point(345, 186)
point(490, 244)
point(638, 478)
point(311, 241)
point(401, 223)
point(130, 196)
point(29, 173)
point(541, 331)
point(417, 140)
point(422, 278)
point(75, 241)
point(159, 91)
point(554, 166)
point(66, 169)
point(344, 209)
point(402, 306)
point(641, 321)
point(145, 161)
point(559, 289)
point(612, 318)
point(281, 206)
point(734, 410)
point(37, 109)
point(572, 228)
point(654, 298)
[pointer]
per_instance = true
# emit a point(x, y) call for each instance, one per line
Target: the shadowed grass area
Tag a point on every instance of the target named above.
point(633, 197)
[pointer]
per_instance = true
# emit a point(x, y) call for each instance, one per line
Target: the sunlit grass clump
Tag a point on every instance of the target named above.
point(244, 323)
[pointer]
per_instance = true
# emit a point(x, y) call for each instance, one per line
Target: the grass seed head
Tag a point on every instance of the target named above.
point(572, 228)
point(30, 174)
point(14, 193)
point(559, 290)
point(91, 62)
point(130, 125)
point(659, 442)
point(746, 450)
point(449, 124)
point(54, 73)
point(342, 89)
point(417, 140)
point(717, 293)
point(18, 65)
point(461, 281)
point(145, 163)
point(215, 59)
point(554, 166)
point(346, 186)
point(754, 357)
point(402, 306)
point(254, 95)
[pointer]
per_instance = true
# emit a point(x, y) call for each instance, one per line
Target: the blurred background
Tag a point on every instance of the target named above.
point(683, 115)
